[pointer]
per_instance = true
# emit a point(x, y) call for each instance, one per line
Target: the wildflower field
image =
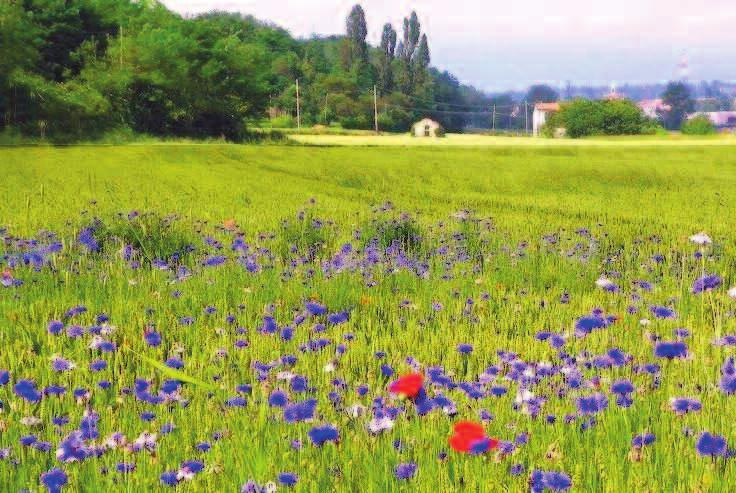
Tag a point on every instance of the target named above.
point(258, 318)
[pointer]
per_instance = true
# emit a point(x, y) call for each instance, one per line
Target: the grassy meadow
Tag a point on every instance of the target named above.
point(221, 284)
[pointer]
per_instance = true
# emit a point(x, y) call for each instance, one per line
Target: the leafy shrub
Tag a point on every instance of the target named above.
point(402, 232)
point(395, 120)
point(284, 121)
point(150, 235)
point(306, 236)
point(355, 122)
point(652, 126)
point(585, 117)
point(699, 125)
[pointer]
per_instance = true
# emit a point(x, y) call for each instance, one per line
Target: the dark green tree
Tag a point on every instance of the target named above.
point(387, 55)
point(411, 35)
point(541, 93)
point(357, 31)
point(678, 97)
point(421, 62)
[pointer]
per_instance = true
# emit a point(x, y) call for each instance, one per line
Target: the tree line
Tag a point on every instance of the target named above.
point(75, 69)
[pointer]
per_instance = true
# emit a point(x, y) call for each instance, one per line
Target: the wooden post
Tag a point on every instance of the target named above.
point(375, 108)
point(298, 109)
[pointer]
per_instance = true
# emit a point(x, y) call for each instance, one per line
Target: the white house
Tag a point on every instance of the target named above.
point(542, 112)
point(426, 128)
point(652, 108)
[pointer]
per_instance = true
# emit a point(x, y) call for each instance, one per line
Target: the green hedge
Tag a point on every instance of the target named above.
point(585, 117)
point(700, 125)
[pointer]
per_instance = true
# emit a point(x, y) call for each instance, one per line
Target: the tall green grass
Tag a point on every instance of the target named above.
point(493, 204)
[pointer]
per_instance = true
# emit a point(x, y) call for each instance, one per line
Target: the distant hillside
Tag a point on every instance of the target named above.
point(78, 68)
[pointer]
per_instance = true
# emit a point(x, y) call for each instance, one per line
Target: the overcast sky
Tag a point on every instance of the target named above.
point(510, 44)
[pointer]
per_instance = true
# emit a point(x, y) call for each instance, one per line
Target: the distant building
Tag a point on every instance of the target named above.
point(427, 128)
point(542, 112)
point(652, 108)
point(722, 120)
point(613, 95)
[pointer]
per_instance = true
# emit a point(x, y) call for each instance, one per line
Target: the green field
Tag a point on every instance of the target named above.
point(541, 222)
point(364, 138)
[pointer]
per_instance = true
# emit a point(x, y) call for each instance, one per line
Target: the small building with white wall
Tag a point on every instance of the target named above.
point(653, 108)
point(427, 128)
point(542, 112)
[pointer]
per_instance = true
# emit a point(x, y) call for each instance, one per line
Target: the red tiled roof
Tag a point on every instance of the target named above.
point(547, 106)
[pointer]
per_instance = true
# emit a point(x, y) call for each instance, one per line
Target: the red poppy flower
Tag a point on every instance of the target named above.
point(408, 385)
point(470, 437)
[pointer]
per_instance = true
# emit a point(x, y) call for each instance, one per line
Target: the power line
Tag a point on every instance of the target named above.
point(512, 105)
point(453, 112)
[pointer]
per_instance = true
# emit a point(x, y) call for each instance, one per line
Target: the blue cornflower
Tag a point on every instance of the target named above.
point(711, 445)
point(60, 365)
point(214, 261)
point(28, 440)
point(43, 446)
point(464, 348)
point(74, 331)
point(319, 435)
point(125, 467)
point(55, 327)
point(54, 480)
point(586, 325)
point(592, 404)
point(236, 401)
point(338, 318)
point(314, 308)
point(88, 425)
point(287, 333)
point(406, 470)
point(552, 480)
point(643, 440)
point(300, 411)
point(684, 405)
point(278, 398)
point(706, 283)
point(193, 466)
point(27, 390)
point(72, 448)
point(622, 387)
point(167, 428)
point(4, 377)
point(670, 350)
point(170, 478)
point(663, 312)
point(152, 338)
point(288, 478)
point(517, 469)
point(299, 383)
point(175, 363)
point(87, 238)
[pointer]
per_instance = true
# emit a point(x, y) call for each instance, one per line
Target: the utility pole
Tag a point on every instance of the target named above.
point(375, 108)
point(121, 45)
point(494, 118)
point(298, 109)
point(326, 122)
point(526, 117)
